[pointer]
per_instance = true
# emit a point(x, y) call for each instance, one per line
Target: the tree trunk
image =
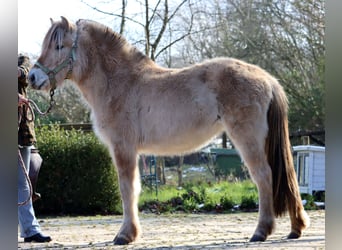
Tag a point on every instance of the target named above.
point(224, 140)
point(160, 168)
point(179, 171)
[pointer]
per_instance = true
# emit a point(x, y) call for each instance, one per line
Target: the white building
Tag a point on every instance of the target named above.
point(310, 168)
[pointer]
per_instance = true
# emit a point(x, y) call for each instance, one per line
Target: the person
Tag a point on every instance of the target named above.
point(29, 227)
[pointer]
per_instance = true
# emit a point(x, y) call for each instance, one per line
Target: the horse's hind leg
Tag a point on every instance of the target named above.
point(129, 181)
point(249, 140)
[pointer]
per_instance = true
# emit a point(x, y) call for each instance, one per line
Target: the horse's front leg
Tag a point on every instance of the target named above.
point(129, 180)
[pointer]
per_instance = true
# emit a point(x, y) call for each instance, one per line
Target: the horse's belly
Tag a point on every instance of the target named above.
point(181, 143)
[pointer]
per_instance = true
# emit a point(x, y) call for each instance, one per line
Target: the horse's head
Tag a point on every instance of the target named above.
point(58, 54)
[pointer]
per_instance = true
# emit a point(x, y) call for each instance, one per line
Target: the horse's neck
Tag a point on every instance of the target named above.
point(91, 82)
point(98, 82)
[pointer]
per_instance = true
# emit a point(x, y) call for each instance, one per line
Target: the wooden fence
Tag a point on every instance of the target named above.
point(86, 127)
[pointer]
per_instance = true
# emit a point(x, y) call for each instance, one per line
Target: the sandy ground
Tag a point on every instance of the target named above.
point(176, 231)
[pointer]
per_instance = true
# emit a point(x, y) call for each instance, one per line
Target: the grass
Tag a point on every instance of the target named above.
point(201, 182)
point(201, 195)
point(235, 190)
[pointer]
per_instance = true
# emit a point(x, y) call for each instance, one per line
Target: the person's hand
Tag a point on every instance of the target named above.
point(22, 100)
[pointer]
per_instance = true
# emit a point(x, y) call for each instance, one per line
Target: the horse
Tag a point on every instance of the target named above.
point(138, 107)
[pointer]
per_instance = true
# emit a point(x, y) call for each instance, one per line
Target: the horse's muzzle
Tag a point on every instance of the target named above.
point(37, 79)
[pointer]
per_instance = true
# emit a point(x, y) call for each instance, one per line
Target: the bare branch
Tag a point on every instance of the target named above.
point(154, 11)
point(147, 28)
point(166, 20)
point(162, 30)
point(123, 16)
point(113, 14)
point(177, 9)
point(178, 39)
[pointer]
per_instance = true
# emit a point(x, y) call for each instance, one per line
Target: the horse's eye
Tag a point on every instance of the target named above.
point(59, 46)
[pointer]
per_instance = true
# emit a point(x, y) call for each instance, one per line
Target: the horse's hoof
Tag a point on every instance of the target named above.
point(293, 235)
point(256, 238)
point(121, 241)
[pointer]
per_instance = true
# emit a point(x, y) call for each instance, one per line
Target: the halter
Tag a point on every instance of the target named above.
point(67, 62)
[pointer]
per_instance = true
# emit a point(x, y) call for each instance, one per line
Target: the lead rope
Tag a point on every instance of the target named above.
point(33, 106)
point(22, 164)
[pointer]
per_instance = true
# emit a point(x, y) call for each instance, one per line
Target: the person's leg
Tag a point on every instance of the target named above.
point(28, 223)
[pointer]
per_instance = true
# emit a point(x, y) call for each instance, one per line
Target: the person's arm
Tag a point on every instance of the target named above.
point(22, 100)
point(24, 66)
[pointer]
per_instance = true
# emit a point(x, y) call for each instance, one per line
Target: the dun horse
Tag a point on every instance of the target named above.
point(139, 107)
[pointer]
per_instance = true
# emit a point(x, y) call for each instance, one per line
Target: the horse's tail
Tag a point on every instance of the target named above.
point(286, 194)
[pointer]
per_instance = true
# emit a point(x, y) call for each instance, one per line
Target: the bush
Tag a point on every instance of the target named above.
point(319, 196)
point(226, 202)
point(77, 175)
point(310, 202)
point(248, 202)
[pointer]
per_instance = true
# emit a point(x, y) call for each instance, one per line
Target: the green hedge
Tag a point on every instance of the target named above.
point(77, 175)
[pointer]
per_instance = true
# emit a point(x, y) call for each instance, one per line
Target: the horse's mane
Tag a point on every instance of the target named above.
point(109, 41)
point(102, 33)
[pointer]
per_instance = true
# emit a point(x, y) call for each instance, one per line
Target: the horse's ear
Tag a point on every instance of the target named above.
point(51, 21)
point(65, 22)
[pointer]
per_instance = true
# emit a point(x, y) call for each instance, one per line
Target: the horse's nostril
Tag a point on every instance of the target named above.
point(32, 78)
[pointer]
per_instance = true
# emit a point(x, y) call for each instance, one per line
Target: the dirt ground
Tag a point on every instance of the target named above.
point(176, 231)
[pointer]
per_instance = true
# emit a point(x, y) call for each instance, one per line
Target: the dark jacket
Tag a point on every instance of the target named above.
point(26, 134)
